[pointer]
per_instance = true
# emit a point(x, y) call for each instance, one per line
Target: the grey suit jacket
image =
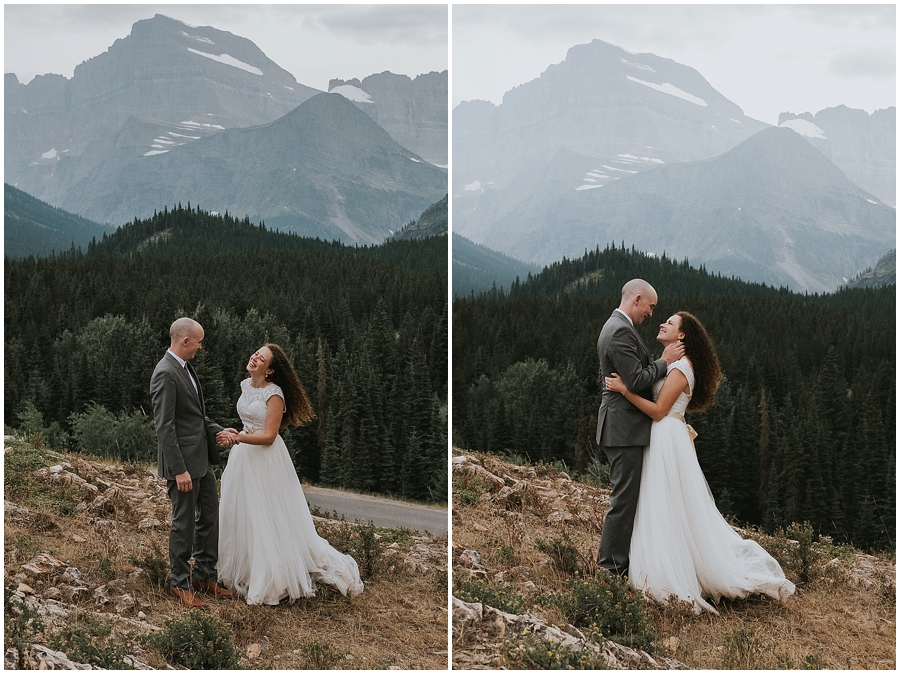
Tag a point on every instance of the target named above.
point(622, 351)
point(186, 438)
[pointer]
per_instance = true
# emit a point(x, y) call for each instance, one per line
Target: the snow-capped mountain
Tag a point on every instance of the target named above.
point(413, 111)
point(863, 146)
point(601, 114)
point(176, 113)
point(611, 146)
point(165, 85)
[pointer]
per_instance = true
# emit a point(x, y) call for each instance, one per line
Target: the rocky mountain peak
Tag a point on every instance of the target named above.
point(332, 84)
point(863, 146)
point(412, 110)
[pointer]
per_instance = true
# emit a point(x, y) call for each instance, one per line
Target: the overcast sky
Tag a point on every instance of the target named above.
point(765, 58)
point(314, 43)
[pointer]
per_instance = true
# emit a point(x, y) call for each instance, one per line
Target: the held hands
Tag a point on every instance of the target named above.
point(615, 384)
point(673, 352)
point(227, 437)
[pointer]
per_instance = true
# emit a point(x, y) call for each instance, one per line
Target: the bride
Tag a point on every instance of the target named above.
point(268, 545)
point(682, 545)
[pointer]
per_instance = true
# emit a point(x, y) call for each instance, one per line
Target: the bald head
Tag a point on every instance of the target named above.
point(637, 286)
point(638, 300)
point(186, 336)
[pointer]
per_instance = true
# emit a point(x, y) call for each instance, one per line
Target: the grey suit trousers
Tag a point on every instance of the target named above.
point(625, 464)
point(195, 530)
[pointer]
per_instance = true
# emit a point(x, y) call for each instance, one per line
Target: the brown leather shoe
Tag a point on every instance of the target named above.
point(213, 588)
point(187, 597)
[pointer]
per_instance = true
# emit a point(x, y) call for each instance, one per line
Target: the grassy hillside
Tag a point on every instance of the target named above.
point(85, 550)
point(526, 593)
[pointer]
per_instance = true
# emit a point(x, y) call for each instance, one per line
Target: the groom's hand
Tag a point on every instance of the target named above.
point(673, 352)
point(183, 481)
point(226, 437)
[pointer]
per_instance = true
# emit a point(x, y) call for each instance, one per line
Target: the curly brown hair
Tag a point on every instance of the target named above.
point(699, 350)
point(298, 409)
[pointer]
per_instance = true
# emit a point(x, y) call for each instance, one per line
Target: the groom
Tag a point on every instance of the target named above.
point(622, 430)
point(186, 451)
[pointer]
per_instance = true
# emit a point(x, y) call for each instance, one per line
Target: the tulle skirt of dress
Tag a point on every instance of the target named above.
point(268, 545)
point(681, 544)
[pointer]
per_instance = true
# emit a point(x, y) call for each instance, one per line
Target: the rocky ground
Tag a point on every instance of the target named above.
point(526, 531)
point(85, 543)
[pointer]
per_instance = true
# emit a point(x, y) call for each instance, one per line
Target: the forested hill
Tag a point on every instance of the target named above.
point(191, 231)
point(804, 424)
point(34, 227)
point(366, 329)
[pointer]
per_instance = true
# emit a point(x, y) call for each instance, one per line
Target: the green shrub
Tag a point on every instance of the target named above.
point(596, 473)
point(88, 640)
point(795, 551)
point(104, 570)
point(318, 655)
point(19, 480)
point(360, 541)
point(126, 437)
point(468, 488)
point(399, 535)
point(805, 555)
point(502, 553)
point(19, 466)
point(607, 605)
point(497, 596)
point(20, 624)
point(531, 653)
point(32, 428)
point(156, 565)
point(741, 650)
point(563, 555)
point(367, 551)
point(56, 498)
point(465, 496)
point(196, 641)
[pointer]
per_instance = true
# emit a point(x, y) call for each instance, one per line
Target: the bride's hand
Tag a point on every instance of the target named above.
point(615, 384)
point(226, 438)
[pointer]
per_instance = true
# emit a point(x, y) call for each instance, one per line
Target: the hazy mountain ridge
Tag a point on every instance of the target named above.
point(610, 112)
point(434, 221)
point(325, 169)
point(412, 110)
point(559, 167)
point(34, 227)
point(58, 129)
point(137, 129)
point(477, 269)
point(884, 273)
point(863, 146)
point(774, 209)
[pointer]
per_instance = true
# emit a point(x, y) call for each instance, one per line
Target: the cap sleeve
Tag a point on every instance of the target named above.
point(685, 367)
point(274, 390)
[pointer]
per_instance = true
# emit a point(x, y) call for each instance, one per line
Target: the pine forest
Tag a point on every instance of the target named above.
point(365, 328)
point(803, 427)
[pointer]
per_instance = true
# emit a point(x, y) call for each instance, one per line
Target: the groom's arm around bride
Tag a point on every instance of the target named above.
point(622, 429)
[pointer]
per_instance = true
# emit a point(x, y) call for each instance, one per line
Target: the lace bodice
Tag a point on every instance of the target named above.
point(684, 398)
point(251, 406)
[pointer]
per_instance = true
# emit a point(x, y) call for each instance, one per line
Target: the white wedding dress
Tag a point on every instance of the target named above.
point(681, 544)
point(268, 545)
